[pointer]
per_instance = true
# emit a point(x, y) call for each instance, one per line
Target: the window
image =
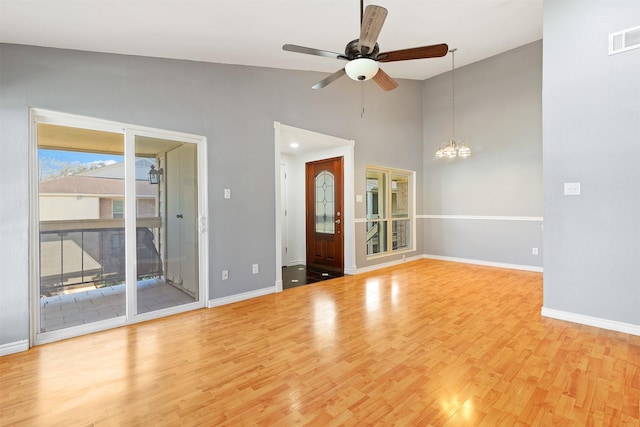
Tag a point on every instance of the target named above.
point(118, 208)
point(389, 210)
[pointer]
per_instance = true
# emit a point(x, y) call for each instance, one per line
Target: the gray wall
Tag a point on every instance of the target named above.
point(591, 135)
point(498, 105)
point(233, 106)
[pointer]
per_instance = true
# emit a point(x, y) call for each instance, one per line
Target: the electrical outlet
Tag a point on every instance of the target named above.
point(534, 251)
point(225, 274)
point(256, 269)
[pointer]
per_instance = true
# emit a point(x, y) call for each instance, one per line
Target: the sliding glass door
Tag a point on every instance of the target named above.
point(166, 224)
point(81, 196)
point(118, 235)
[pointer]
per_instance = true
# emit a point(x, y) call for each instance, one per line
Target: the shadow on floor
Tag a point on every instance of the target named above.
point(299, 275)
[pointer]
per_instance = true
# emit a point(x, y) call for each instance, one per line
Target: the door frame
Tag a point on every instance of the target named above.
point(38, 115)
point(326, 146)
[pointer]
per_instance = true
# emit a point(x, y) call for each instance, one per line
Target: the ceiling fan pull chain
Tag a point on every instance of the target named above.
point(362, 100)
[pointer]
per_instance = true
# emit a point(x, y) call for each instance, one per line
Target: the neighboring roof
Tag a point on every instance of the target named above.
point(116, 170)
point(90, 185)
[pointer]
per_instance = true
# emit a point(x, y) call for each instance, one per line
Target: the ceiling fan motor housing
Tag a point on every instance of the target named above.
point(352, 51)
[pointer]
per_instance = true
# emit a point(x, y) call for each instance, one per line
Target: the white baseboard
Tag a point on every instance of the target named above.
point(486, 263)
point(386, 264)
point(14, 347)
point(240, 297)
point(350, 270)
point(612, 325)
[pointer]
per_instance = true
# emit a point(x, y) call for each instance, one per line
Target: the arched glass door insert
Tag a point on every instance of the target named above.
point(325, 203)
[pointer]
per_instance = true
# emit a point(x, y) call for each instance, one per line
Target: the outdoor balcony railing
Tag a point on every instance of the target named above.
point(91, 253)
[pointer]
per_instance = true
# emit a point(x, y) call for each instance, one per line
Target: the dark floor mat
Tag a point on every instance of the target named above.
point(299, 275)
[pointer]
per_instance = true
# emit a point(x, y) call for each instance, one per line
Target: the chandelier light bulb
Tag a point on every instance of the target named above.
point(450, 150)
point(362, 69)
point(464, 150)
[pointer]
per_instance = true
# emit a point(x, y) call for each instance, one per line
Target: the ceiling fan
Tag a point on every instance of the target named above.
point(364, 54)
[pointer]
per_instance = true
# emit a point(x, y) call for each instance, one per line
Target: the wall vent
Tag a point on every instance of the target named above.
point(625, 40)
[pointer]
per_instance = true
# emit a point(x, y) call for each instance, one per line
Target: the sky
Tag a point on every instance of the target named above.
point(75, 156)
point(52, 162)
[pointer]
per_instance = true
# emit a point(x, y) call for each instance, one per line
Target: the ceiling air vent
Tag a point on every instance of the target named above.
point(624, 40)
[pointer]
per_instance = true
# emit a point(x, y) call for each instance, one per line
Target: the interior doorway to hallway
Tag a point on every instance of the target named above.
point(294, 148)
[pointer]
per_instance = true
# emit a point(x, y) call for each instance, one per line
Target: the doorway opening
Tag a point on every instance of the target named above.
point(116, 230)
point(295, 148)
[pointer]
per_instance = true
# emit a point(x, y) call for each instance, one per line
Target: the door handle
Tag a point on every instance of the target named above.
point(179, 216)
point(337, 221)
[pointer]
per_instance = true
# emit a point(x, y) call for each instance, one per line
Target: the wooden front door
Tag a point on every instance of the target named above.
point(324, 213)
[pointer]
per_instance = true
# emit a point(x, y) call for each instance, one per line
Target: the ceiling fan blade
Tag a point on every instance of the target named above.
point(311, 51)
point(370, 27)
point(385, 81)
point(330, 79)
point(433, 51)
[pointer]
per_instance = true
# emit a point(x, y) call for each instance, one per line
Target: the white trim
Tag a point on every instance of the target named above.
point(241, 297)
point(386, 264)
point(75, 120)
point(203, 220)
point(349, 271)
point(450, 259)
point(14, 347)
point(130, 220)
point(484, 217)
point(473, 217)
point(34, 231)
point(79, 330)
point(486, 263)
point(278, 202)
point(598, 322)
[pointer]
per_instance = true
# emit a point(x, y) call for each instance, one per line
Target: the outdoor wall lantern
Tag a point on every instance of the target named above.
point(154, 175)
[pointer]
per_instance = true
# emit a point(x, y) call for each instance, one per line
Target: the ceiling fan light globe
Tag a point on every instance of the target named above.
point(362, 69)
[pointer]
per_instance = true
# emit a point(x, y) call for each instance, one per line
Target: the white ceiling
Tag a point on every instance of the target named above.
point(252, 32)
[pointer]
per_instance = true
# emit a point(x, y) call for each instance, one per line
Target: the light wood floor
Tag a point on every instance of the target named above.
point(425, 343)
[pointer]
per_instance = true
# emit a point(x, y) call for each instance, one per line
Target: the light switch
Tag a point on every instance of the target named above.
point(227, 193)
point(571, 188)
point(358, 198)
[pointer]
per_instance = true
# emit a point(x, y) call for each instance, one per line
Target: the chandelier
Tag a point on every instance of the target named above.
point(453, 148)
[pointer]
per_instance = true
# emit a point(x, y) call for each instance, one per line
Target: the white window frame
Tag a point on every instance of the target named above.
point(388, 214)
point(120, 211)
